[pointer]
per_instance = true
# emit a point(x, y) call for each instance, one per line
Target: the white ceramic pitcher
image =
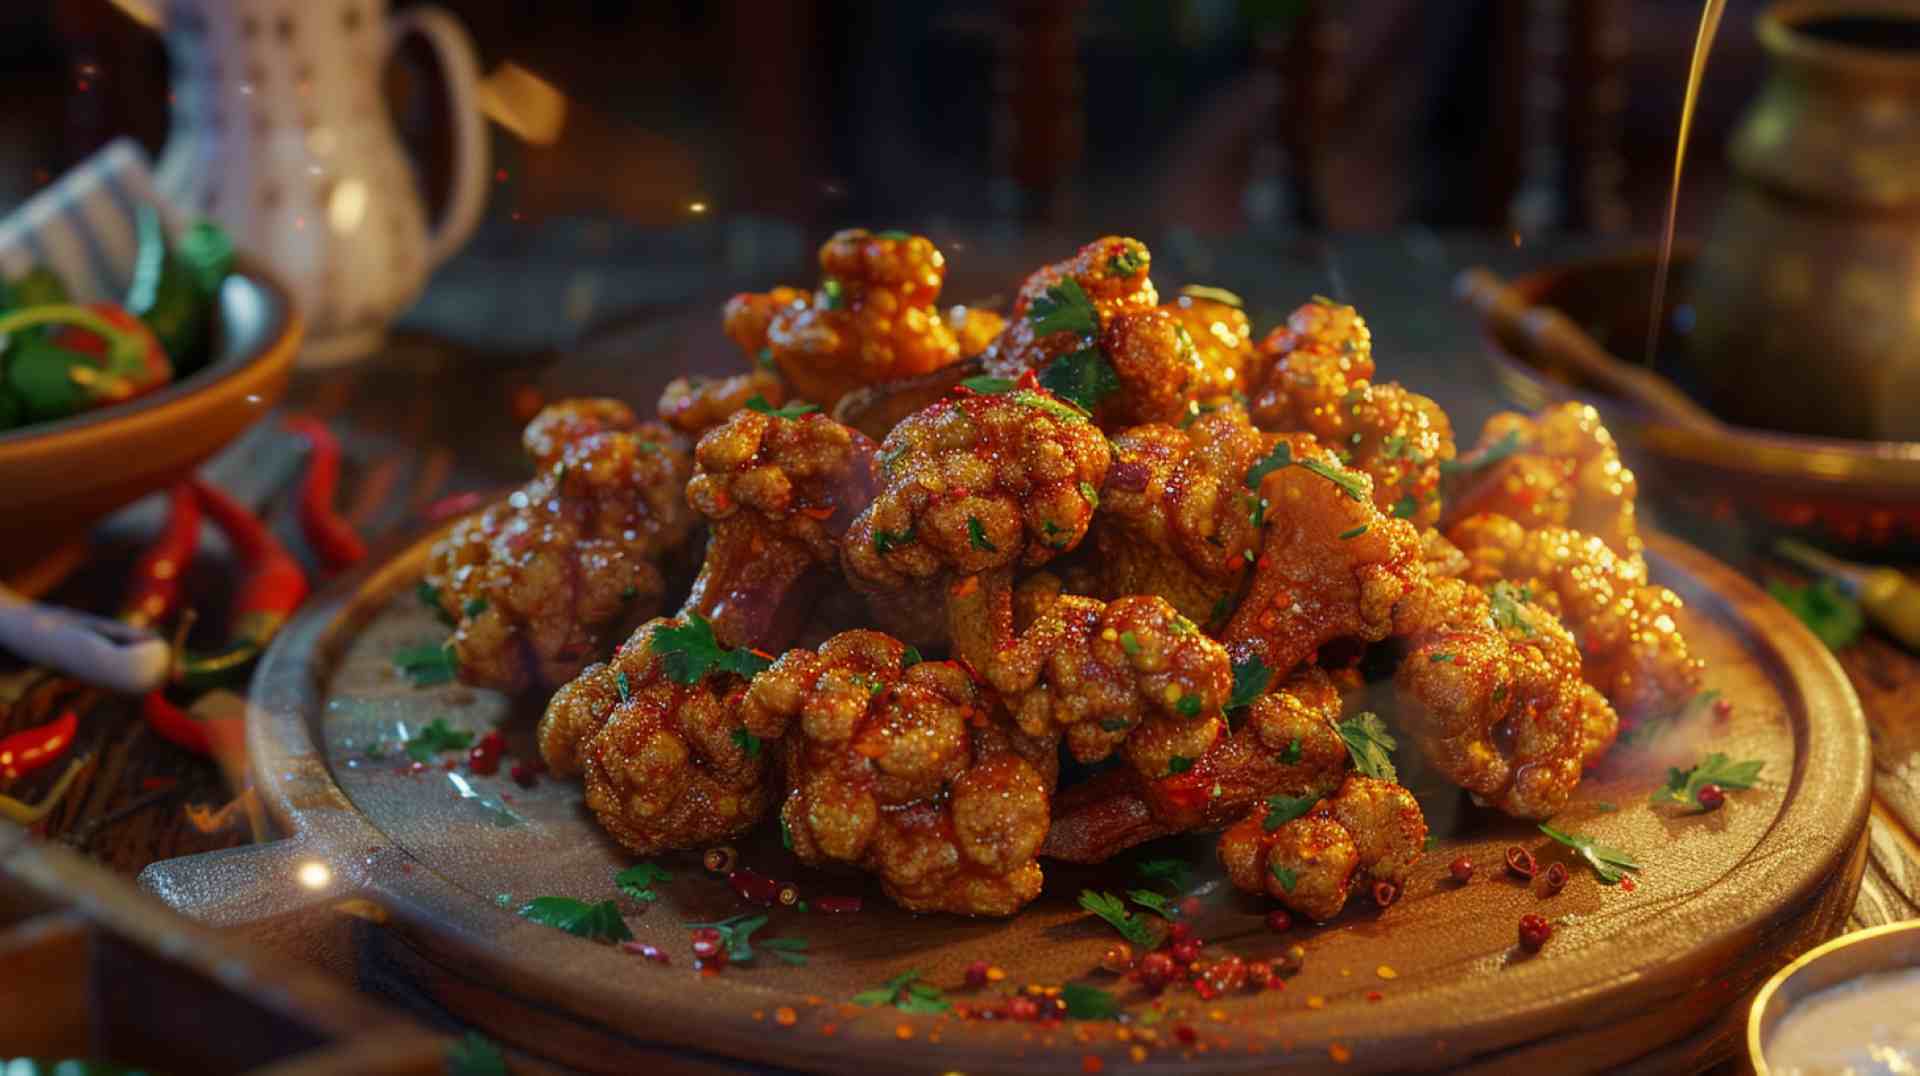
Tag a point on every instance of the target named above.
point(281, 133)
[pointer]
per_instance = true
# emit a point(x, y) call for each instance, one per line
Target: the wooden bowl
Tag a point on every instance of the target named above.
point(57, 479)
point(1860, 495)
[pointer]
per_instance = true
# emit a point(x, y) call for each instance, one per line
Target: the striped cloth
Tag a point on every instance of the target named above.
point(82, 225)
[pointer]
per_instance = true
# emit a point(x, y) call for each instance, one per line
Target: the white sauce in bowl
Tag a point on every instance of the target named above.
point(1869, 1026)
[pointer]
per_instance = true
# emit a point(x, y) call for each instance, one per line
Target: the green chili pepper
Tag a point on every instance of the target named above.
point(207, 251)
point(166, 294)
point(39, 373)
point(12, 411)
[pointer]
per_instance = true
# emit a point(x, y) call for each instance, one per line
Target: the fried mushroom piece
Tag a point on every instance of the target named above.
point(1490, 691)
point(538, 584)
point(971, 488)
point(664, 757)
point(1560, 468)
point(1176, 518)
point(900, 768)
point(1287, 743)
point(1096, 671)
point(1330, 565)
point(778, 493)
point(694, 405)
point(1316, 374)
point(1368, 831)
point(1628, 629)
point(871, 320)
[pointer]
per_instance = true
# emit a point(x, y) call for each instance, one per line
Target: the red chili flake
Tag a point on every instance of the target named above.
point(1556, 878)
point(1534, 932)
point(1461, 868)
point(836, 905)
point(1520, 861)
point(449, 765)
point(1185, 951)
point(976, 974)
point(1723, 707)
point(1190, 907)
point(1022, 1007)
point(1156, 971)
point(483, 762)
point(1205, 989)
point(1627, 883)
point(1385, 893)
point(1186, 1034)
point(1375, 995)
point(642, 949)
point(494, 742)
point(754, 887)
point(1226, 974)
point(1091, 1063)
point(523, 775)
point(1178, 932)
point(1279, 921)
point(1711, 797)
point(1259, 974)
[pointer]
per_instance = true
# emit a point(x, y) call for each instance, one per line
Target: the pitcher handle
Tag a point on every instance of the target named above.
point(461, 73)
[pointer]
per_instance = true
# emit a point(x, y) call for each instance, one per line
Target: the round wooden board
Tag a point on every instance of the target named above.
point(1631, 979)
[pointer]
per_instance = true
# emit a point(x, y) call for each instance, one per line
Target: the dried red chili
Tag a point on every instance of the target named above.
point(31, 749)
point(331, 536)
point(837, 905)
point(273, 588)
point(750, 885)
point(1521, 862)
point(154, 588)
point(182, 729)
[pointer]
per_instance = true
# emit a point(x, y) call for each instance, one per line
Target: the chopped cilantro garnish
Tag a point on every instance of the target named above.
point(1834, 618)
point(595, 922)
point(474, 607)
point(1606, 862)
point(977, 536)
point(638, 881)
point(1288, 879)
point(1351, 484)
point(894, 234)
point(1370, 744)
point(1083, 377)
point(759, 403)
point(426, 666)
point(747, 742)
point(623, 686)
point(1406, 507)
point(1114, 911)
point(1250, 679)
point(474, 1055)
point(910, 657)
point(1440, 659)
point(1126, 263)
point(1153, 902)
point(1683, 786)
point(429, 596)
point(1090, 494)
point(1281, 456)
point(1486, 457)
point(834, 292)
point(1509, 606)
point(1188, 706)
point(1179, 764)
point(907, 993)
point(1114, 724)
point(1088, 1002)
point(1064, 308)
point(1221, 610)
point(1218, 295)
point(1171, 872)
point(989, 386)
point(1064, 410)
point(1291, 753)
point(885, 542)
point(689, 651)
point(764, 357)
point(1354, 533)
point(1130, 642)
point(435, 738)
point(1284, 809)
point(736, 933)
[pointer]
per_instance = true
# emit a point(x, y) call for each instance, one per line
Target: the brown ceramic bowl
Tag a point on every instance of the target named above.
point(1859, 495)
point(57, 479)
point(1892, 947)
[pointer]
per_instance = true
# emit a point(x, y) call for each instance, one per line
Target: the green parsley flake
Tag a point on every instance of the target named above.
point(689, 651)
point(1130, 643)
point(759, 403)
point(1126, 263)
point(989, 386)
point(1284, 809)
point(638, 881)
point(1250, 679)
point(885, 542)
point(1288, 879)
point(1089, 1002)
point(1486, 457)
point(1281, 456)
point(1180, 763)
point(747, 742)
point(1114, 911)
point(436, 738)
point(595, 922)
point(910, 657)
point(1508, 604)
point(428, 666)
point(1354, 533)
point(1083, 378)
point(1063, 308)
point(1683, 786)
point(907, 993)
point(623, 686)
point(1090, 494)
point(1370, 745)
point(1834, 617)
point(1291, 754)
point(833, 292)
point(977, 536)
point(1188, 706)
point(1607, 863)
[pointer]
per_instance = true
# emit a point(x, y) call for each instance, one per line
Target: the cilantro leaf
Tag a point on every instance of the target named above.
point(427, 666)
point(1406, 507)
point(736, 933)
point(595, 922)
point(885, 541)
point(1834, 618)
point(689, 651)
point(1351, 484)
point(638, 880)
point(977, 536)
point(1114, 911)
point(1370, 744)
point(1354, 533)
point(1171, 872)
point(1064, 410)
point(1188, 706)
point(1291, 754)
point(474, 607)
point(1486, 457)
point(436, 737)
point(989, 386)
point(1064, 308)
point(1281, 456)
point(1130, 643)
point(429, 596)
point(475, 1055)
point(1126, 263)
point(623, 685)
point(905, 992)
point(1090, 494)
point(1179, 764)
point(1288, 879)
point(1683, 786)
point(834, 292)
point(1284, 809)
point(1509, 605)
point(1083, 377)
point(747, 742)
point(1218, 295)
point(1607, 863)
point(759, 403)
point(1250, 679)
point(910, 657)
point(1089, 1002)
point(1152, 901)
point(788, 950)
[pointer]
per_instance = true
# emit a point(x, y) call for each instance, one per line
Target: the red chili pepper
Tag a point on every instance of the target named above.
point(30, 749)
point(274, 587)
point(155, 586)
point(143, 370)
point(331, 535)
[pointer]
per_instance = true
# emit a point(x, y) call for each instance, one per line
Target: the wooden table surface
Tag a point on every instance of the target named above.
point(519, 320)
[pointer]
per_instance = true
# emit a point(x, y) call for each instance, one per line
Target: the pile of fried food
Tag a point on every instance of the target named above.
point(1107, 524)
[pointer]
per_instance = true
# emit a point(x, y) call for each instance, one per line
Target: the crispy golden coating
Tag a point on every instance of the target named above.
point(1566, 473)
point(1491, 693)
point(1316, 375)
point(666, 763)
point(1096, 671)
point(1368, 831)
point(539, 584)
point(694, 405)
point(1287, 743)
point(1224, 338)
point(872, 319)
point(1628, 629)
point(973, 328)
point(1176, 518)
point(1330, 565)
point(971, 488)
point(778, 493)
point(902, 770)
point(748, 315)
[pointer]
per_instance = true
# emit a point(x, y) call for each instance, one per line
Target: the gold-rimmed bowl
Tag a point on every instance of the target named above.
point(1893, 947)
point(1859, 495)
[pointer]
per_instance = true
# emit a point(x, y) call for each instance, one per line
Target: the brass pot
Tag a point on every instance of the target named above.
point(1808, 296)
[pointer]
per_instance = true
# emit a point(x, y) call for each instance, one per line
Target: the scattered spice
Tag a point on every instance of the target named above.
point(1521, 862)
point(907, 993)
point(1114, 911)
point(1555, 879)
point(976, 974)
point(720, 859)
point(1709, 797)
point(1462, 869)
point(1534, 932)
point(638, 880)
point(1385, 893)
point(1716, 771)
point(837, 905)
